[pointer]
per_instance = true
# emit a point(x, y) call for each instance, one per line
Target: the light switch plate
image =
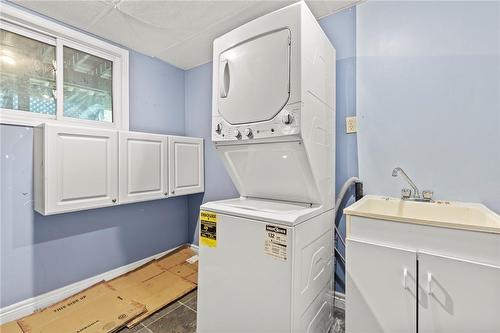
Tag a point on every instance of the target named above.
point(350, 125)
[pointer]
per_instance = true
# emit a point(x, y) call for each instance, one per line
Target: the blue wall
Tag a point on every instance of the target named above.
point(39, 254)
point(341, 30)
point(424, 76)
point(428, 97)
point(156, 96)
point(42, 253)
point(218, 184)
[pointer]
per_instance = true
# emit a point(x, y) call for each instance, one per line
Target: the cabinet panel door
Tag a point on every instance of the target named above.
point(82, 165)
point(185, 165)
point(380, 289)
point(143, 166)
point(458, 295)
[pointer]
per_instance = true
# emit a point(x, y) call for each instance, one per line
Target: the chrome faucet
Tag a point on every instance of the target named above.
point(406, 194)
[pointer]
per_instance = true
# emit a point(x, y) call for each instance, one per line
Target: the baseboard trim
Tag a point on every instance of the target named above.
point(28, 306)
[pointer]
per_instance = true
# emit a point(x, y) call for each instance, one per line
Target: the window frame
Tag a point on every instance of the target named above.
point(38, 28)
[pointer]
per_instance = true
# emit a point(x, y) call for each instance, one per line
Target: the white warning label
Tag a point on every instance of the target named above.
point(275, 243)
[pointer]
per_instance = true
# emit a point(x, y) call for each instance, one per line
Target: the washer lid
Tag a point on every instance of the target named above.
point(279, 212)
point(254, 78)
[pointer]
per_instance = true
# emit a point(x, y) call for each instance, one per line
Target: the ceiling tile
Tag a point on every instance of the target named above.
point(126, 30)
point(79, 14)
point(178, 32)
point(198, 49)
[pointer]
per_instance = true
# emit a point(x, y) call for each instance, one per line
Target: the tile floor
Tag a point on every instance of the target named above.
point(180, 317)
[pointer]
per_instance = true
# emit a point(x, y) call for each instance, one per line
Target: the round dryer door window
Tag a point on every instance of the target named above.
point(254, 78)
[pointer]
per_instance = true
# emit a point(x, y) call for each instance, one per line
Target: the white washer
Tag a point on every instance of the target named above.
point(269, 271)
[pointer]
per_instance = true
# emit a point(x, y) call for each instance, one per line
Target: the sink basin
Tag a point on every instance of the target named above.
point(457, 215)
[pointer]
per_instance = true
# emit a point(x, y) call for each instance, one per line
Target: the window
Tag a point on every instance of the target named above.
point(27, 74)
point(88, 86)
point(51, 73)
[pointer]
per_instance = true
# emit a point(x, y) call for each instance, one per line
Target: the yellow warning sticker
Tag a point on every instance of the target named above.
point(208, 229)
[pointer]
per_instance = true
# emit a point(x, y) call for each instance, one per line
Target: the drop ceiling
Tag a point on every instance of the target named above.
point(178, 32)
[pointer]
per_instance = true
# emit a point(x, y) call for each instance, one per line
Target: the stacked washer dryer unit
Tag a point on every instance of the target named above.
point(266, 257)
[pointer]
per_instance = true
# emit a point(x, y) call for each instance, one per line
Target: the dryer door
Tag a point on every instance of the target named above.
point(254, 78)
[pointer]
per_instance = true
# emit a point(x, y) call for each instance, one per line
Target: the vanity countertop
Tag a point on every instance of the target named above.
point(446, 214)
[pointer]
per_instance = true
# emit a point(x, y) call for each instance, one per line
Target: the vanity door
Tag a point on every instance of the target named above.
point(458, 295)
point(381, 289)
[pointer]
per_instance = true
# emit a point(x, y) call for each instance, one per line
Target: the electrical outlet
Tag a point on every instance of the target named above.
point(350, 125)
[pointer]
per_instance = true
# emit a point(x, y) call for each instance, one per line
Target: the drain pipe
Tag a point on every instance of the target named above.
point(340, 198)
point(343, 191)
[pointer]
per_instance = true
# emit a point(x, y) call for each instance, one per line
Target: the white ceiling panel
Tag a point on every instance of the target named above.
point(131, 32)
point(179, 17)
point(322, 8)
point(75, 13)
point(187, 53)
point(178, 32)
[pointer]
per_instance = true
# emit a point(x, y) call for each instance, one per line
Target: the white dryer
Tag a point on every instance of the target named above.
point(266, 257)
point(273, 107)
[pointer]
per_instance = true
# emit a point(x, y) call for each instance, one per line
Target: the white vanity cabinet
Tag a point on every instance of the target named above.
point(427, 269)
point(382, 288)
point(458, 295)
point(186, 171)
point(75, 168)
point(143, 166)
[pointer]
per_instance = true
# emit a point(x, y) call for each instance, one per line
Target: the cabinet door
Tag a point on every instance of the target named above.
point(380, 289)
point(186, 174)
point(143, 166)
point(458, 295)
point(82, 168)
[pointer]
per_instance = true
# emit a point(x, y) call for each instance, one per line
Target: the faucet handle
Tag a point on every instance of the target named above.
point(405, 193)
point(427, 195)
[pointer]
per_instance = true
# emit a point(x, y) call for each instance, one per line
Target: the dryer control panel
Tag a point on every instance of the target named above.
point(285, 123)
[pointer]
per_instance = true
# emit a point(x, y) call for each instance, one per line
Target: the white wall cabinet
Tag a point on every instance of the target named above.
point(458, 280)
point(143, 166)
point(186, 171)
point(78, 168)
point(75, 168)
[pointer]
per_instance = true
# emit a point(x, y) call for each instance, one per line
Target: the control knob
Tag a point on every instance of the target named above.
point(287, 118)
point(248, 132)
point(237, 133)
point(218, 128)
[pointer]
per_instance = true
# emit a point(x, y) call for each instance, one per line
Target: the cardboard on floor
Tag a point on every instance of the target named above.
point(125, 300)
point(11, 327)
point(152, 286)
point(182, 262)
point(96, 309)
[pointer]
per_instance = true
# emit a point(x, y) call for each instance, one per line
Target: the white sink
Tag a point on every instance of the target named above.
point(458, 215)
